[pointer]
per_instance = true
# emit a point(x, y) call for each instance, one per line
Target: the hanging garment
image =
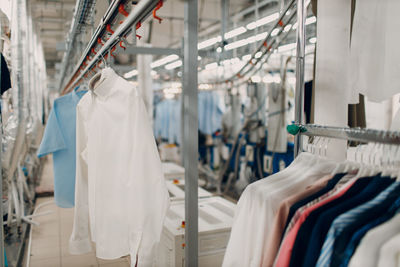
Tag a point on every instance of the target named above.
point(388, 254)
point(345, 257)
point(5, 75)
point(60, 139)
point(167, 123)
point(347, 240)
point(374, 53)
point(340, 223)
point(210, 111)
point(325, 219)
point(367, 253)
point(299, 206)
point(256, 208)
point(291, 243)
point(120, 188)
point(281, 217)
point(277, 134)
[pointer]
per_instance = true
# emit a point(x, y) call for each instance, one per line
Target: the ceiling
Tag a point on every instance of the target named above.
point(53, 20)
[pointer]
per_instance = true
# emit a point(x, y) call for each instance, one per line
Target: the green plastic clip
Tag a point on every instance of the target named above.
point(294, 129)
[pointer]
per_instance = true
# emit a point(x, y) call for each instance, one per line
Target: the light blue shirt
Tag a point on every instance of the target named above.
point(167, 120)
point(60, 138)
point(210, 111)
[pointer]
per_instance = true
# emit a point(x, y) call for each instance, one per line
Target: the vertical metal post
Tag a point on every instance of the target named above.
point(224, 23)
point(300, 38)
point(191, 126)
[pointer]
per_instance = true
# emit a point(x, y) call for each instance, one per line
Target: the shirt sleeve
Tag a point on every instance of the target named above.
point(154, 201)
point(53, 139)
point(79, 242)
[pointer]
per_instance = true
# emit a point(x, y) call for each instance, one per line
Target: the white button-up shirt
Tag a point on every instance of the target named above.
point(120, 190)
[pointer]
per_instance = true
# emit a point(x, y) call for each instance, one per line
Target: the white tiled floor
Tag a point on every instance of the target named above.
point(50, 239)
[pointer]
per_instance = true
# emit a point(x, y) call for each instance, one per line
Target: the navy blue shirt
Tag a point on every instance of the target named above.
point(303, 235)
point(325, 219)
point(329, 186)
point(344, 239)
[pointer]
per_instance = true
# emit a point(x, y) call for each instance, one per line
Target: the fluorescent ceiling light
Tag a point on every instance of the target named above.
point(312, 40)
point(204, 86)
point(246, 57)
point(256, 79)
point(212, 66)
point(263, 21)
point(268, 79)
point(172, 90)
point(209, 42)
point(272, 79)
point(236, 44)
point(287, 47)
point(226, 62)
point(164, 61)
point(311, 20)
point(287, 28)
point(235, 60)
point(261, 36)
point(174, 65)
point(275, 32)
point(130, 74)
point(276, 79)
point(169, 96)
point(235, 32)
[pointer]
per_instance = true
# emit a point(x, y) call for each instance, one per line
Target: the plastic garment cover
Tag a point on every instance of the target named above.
point(9, 134)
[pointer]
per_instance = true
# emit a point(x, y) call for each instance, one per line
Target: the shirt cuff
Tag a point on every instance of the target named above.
point(77, 247)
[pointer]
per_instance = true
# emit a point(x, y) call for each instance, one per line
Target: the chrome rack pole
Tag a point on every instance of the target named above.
point(351, 134)
point(191, 126)
point(299, 104)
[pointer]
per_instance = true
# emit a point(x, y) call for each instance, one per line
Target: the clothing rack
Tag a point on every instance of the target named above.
point(189, 53)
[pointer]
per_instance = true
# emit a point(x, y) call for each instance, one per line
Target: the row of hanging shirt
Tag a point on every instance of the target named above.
point(318, 212)
point(167, 123)
point(108, 167)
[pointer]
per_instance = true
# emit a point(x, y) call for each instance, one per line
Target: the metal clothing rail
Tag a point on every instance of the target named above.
point(83, 12)
point(141, 11)
point(351, 134)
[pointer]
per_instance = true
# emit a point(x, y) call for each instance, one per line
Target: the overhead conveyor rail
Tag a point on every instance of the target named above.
point(83, 13)
point(100, 39)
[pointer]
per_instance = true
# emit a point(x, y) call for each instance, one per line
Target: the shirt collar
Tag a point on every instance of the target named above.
point(104, 85)
point(75, 94)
